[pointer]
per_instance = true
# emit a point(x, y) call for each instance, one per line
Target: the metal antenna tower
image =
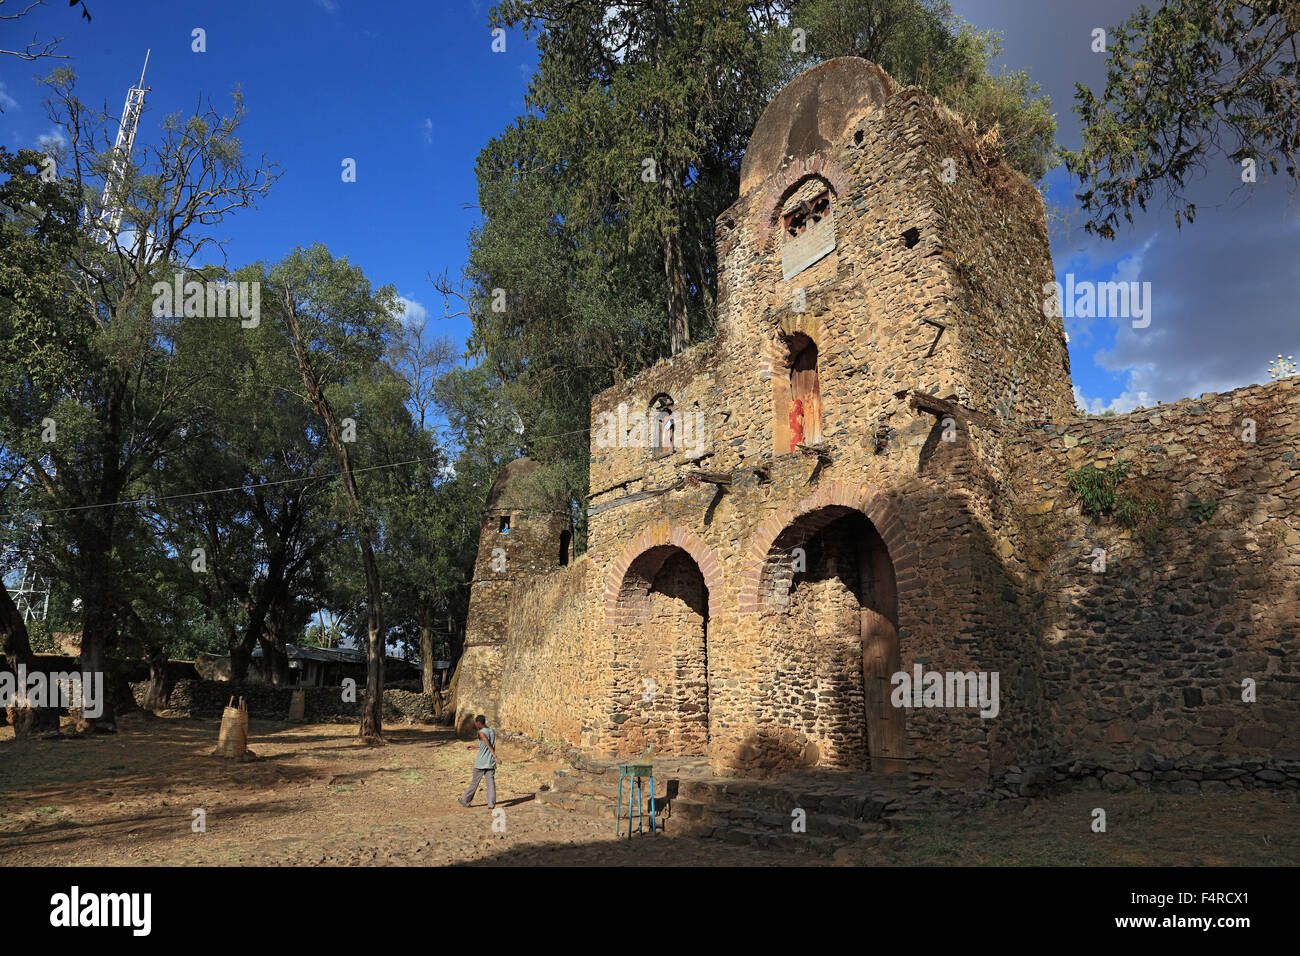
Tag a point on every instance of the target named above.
point(110, 217)
point(31, 599)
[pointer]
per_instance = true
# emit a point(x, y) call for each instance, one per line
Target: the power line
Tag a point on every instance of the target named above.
point(214, 491)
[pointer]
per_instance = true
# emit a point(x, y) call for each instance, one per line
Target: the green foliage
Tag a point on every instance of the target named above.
point(1133, 512)
point(38, 235)
point(1095, 487)
point(40, 638)
point(1187, 84)
point(922, 43)
point(1202, 511)
point(1099, 494)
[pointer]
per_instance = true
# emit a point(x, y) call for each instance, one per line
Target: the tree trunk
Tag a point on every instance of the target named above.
point(277, 661)
point(372, 719)
point(372, 716)
point(273, 648)
point(157, 695)
point(18, 650)
point(679, 332)
point(428, 677)
point(239, 659)
point(97, 632)
point(678, 312)
point(235, 648)
point(259, 612)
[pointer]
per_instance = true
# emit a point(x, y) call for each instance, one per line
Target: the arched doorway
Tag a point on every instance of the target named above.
point(830, 612)
point(660, 688)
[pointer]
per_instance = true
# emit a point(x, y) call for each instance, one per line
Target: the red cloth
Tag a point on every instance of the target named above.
point(796, 423)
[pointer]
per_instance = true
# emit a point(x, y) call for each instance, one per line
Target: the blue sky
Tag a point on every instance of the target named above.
point(412, 91)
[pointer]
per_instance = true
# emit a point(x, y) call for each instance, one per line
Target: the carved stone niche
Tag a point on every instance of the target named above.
point(807, 234)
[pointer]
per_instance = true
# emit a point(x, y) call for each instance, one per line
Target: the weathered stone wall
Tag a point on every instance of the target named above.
point(1149, 655)
point(659, 678)
point(532, 542)
point(546, 683)
point(865, 306)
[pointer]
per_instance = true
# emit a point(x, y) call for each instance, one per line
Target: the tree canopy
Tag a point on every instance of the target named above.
point(595, 253)
point(1189, 84)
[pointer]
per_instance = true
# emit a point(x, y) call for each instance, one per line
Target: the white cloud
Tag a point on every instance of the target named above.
point(7, 102)
point(1122, 404)
point(413, 313)
point(329, 6)
point(428, 130)
point(54, 139)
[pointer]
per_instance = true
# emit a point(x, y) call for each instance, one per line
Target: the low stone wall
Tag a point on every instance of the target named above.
point(1184, 775)
point(207, 699)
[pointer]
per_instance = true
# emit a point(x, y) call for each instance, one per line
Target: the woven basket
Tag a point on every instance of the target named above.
point(232, 740)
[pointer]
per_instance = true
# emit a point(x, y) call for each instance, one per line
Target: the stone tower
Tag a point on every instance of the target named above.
point(523, 534)
point(872, 234)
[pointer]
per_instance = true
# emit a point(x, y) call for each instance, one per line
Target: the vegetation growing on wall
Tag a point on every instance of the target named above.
point(1100, 497)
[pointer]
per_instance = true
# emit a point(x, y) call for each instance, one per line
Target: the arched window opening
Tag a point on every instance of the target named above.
point(807, 228)
point(566, 539)
point(807, 213)
point(663, 426)
point(799, 416)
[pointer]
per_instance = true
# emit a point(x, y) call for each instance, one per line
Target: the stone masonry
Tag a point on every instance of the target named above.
point(867, 470)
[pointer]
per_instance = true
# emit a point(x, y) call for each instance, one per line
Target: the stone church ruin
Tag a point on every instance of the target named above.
point(884, 480)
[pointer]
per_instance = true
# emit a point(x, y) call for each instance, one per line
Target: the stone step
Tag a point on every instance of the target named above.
point(687, 815)
point(600, 785)
point(773, 840)
point(848, 803)
point(855, 813)
point(608, 794)
point(587, 803)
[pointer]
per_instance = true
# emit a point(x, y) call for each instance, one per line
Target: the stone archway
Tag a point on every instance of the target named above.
point(825, 584)
point(658, 607)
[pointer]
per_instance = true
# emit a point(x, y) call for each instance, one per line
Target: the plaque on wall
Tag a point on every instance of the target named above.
point(811, 245)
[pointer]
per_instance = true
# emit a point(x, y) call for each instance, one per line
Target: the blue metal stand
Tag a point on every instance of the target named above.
point(633, 774)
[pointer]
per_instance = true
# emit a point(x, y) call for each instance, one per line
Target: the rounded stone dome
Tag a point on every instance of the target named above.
point(814, 110)
point(505, 494)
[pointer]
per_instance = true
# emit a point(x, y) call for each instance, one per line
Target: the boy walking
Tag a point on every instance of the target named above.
point(485, 765)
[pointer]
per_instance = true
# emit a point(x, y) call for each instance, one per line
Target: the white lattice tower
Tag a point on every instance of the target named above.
point(29, 596)
point(110, 217)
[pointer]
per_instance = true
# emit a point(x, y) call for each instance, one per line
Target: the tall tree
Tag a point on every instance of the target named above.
point(340, 330)
point(264, 537)
point(90, 442)
point(1190, 84)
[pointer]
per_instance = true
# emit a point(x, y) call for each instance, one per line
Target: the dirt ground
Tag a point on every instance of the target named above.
point(316, 796)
